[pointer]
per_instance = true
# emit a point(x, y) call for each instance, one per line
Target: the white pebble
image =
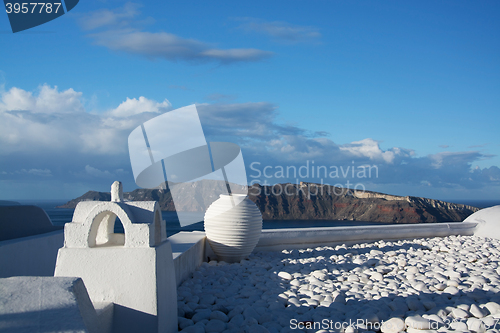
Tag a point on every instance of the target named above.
point(412, 270)
point(476, 325)
point(393, 325)
point(267, 290)
point(353, 278)
point(476, 311)
point(285, 275)
point(417, 322)
point(459, 314)
point(451, 290)
point(493, 308)
point(459, 326)
point(320, 275)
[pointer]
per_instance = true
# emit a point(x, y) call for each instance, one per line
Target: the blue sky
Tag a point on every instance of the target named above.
point(411, 87)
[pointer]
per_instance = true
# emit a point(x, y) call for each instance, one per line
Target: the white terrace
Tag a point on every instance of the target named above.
point(144, 282)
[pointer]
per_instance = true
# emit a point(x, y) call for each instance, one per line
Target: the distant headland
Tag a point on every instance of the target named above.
point(310, 201)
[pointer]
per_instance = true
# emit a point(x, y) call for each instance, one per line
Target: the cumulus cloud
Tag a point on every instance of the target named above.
point(254, 127)
point(448, 159)
point(298, 149)
point(281, 30)
point(398, 166)
point(120, 32)
point(243, 121)
point(491, 174)
point(56, 121)
point(16, 99)
point(371, 149)
point(64, 142)
point(49, 100)
point(133, 106)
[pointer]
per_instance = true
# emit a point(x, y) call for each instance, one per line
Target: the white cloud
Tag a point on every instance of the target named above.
point(16, 99)
point(121, 33)
point(443, 159)
point(94, 172)
point(171, 47)
point(371, 149)
point(109, 17)
point(133, 106)
point(235, 55)
point(51, 101)
point(281, 30)
point(246, 121)
point(35, 172)
point(48, 133)
point(253, 126)
point(48, 100)
point(54, 121)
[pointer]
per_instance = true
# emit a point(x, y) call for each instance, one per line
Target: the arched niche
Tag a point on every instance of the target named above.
point(102, 225)
point(105, 236)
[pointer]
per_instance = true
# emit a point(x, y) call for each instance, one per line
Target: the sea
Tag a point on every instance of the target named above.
point(60, 216)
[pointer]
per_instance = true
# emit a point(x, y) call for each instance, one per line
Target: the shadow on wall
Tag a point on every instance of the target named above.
point(41, 321)
point(129, 320)
point(22, 221)
point(28, 241)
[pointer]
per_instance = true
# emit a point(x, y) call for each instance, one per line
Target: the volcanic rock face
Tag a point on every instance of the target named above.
point(306, 201)
point(324, 202)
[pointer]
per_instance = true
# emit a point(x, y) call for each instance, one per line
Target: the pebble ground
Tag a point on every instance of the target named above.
point(430, 285)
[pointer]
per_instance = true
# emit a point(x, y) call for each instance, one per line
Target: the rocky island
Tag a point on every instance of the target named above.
point(309, 201)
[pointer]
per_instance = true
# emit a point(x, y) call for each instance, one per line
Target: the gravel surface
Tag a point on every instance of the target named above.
point(429, 285)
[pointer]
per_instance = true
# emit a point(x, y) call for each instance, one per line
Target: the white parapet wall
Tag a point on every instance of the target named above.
point(28, 241)
point(30, 256)
point(47, 304)
point(188, 250)
point(281, 239)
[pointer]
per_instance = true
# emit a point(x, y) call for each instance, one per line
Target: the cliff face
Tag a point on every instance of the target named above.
point(317, 202)
point(323, 202)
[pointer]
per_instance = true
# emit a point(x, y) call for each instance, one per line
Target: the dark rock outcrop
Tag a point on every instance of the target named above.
point(308, 201)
